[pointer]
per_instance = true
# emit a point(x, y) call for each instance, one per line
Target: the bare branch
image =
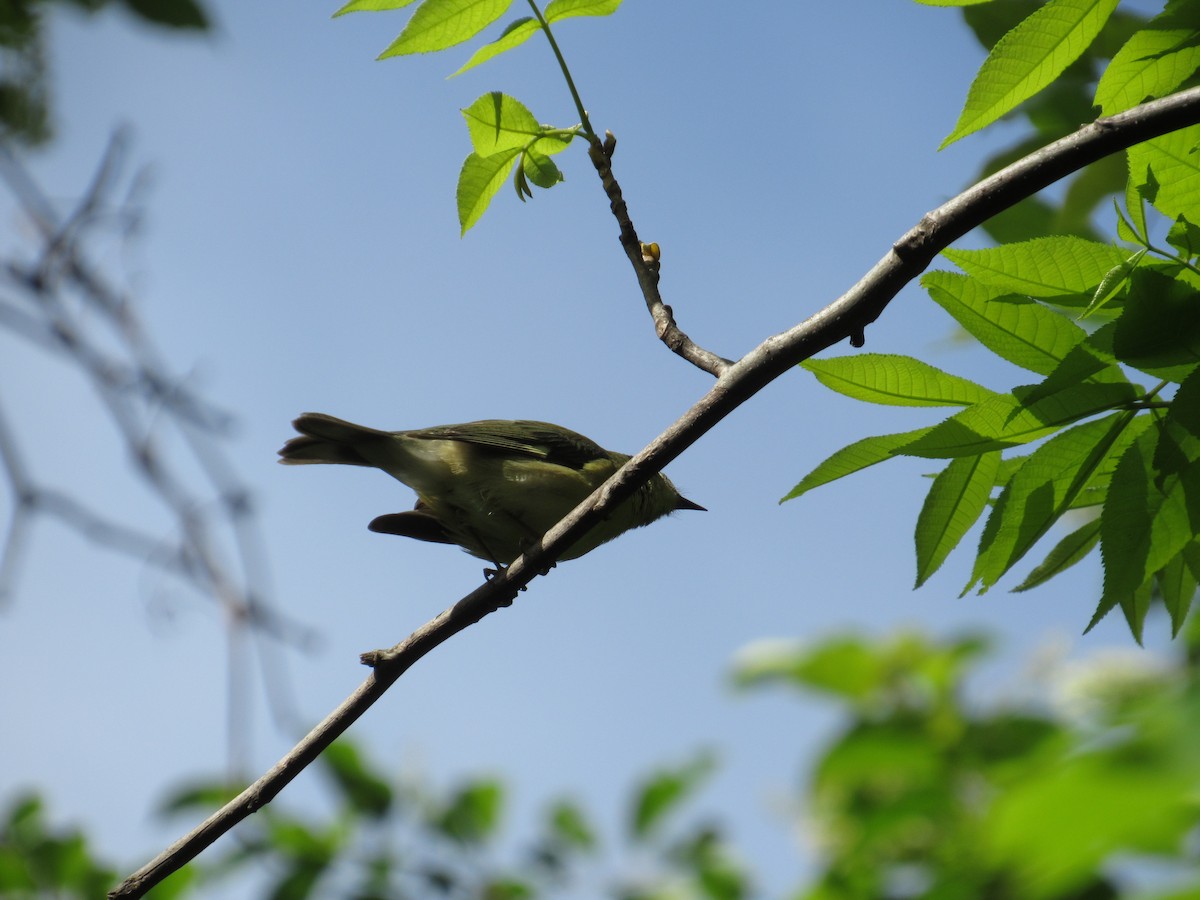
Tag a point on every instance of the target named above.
point(54, 301)
point(846, 317)
point(647, 272)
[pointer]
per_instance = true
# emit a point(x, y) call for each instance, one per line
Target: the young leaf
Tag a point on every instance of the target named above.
point(955, 501)
point(895, 381)
point(1029, 58)
point(1005, 421)
point(1025, 333)
point(438, 24)
point(1070, 550)
point(854, 458)
point(1046, 267)
point(1171, 167)
point(1115, 279)
point(514, 35)
point(371, 6)
point(540, 169)
point(557, 10)
point(1152, 63)
point(481, 177)
point(498, 122)
point(1045, 488)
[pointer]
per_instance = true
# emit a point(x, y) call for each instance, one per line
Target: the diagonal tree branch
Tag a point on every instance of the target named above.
point(846, 317)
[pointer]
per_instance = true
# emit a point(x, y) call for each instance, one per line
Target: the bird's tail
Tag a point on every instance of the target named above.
point(325, 439)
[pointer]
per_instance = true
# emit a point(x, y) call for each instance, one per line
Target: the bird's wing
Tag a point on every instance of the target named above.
point(536, 440)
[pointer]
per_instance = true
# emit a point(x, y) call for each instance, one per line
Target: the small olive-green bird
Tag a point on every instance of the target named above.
point(492, 487)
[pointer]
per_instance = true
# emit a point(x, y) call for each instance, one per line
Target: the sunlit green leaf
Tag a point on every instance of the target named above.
point(1046, 267)
point(481, 177)
point(1015, 328)
point(1170, 165)
point(438, 24)
point(1152, 63)
point(1004, 421)
point(558, 10)
point(517, 33)
point(1029, 58)
point(1044, 488)
point(854, 458)
point(955, 501)
point(1070, 550)
point(371, 6)
point(498, 122)
point(895, 381)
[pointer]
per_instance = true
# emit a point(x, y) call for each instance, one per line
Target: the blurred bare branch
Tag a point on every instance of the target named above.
point(55, 298)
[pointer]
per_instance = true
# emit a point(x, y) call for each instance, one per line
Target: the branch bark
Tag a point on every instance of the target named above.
point(846, 317)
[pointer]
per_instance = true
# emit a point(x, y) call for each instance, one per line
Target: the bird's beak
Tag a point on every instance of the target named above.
point(685, 503)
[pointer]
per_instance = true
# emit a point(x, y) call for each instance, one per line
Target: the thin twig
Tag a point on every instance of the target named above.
point(845, 317)
point(647, 275)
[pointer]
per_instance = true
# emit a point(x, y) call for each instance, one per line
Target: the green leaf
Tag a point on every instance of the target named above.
point(438, 24)
point(1159, 331)
point(1070, 550)
point(364, 790)
point(569, 825)
point(1046, 267)
point(481, 177)
point(172, 13)
point(1025, 333)
point(1142, 528)
point(956, 499)
point(498, 122)
point(472, 814)
point(540, 169)
point(1005, 421)
point(517, 33)
point(895, 381)
point(848, 667)
point(854, 458)
point(1184, 237)
point(1091, 360)
point(1177, 585)
point(1114, 280)
point(1170, 166)
point(557, 10)
point(371, 6)
point(1152, 63)
point(1029, 58)
point(1044, 488)
point(664, 791)
point(1135, 607)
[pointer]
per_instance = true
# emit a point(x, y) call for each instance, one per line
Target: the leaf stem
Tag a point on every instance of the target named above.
point(562, 64)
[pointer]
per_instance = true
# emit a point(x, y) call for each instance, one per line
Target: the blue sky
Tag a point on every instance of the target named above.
point(302, 253)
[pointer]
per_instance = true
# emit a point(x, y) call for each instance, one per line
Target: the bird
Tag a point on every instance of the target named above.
point(492, 487)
